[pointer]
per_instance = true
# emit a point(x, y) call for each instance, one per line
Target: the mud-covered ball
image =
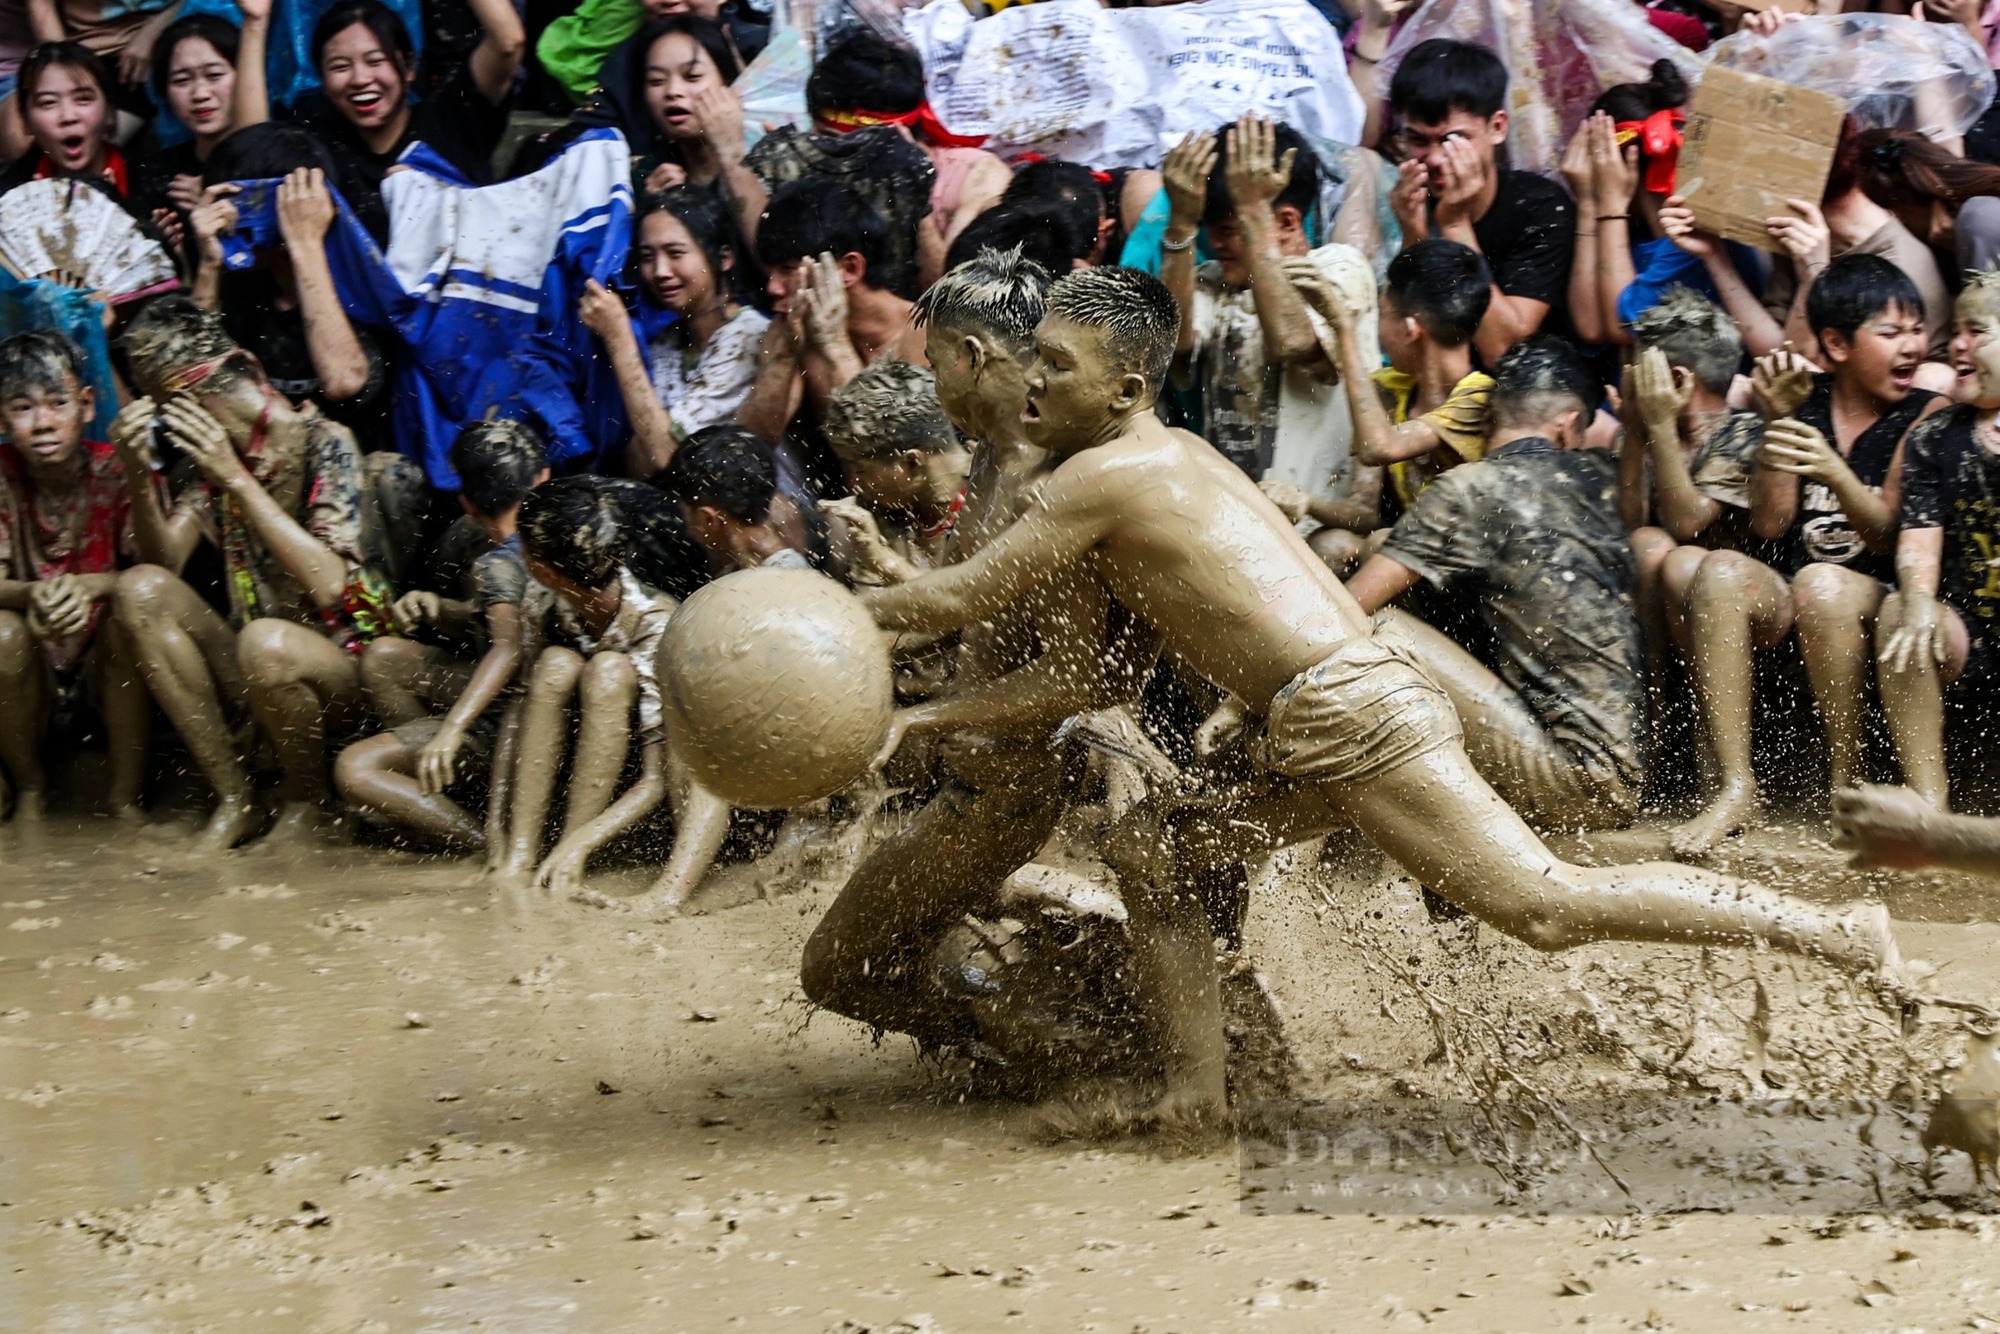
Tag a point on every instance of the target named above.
point(777, 687)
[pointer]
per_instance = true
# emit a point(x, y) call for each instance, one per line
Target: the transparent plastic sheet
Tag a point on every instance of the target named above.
point(1894, 72)
point(834, 19)
point(1560, 54)
point(773, 86)
point(36, 303)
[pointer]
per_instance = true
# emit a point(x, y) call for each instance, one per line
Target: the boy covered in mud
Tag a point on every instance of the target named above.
point(1531, 531)
point(404, 774)
point(1062, 650)
point(1939, 631)
point(745, 511)
point(905, 461)
point(278, 492)
point(1355, 728)
point(602, 629)
point(65, 533)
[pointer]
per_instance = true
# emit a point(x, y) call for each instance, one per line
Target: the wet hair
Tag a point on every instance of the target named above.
point(576, 527)
point(1663, 90)
point(706, 33)
point(998, 292)
point(1070, 184)
point(816, 216)
point(382, 23)
point(1540, 378)
point(1693, 332)
point(40, 360)
point(866, 72)
point(1139, 316)
point(497, 462)
point(265, 151)
point(69, 55)
point(889, 409)
point(1854, 289)
point(217, 32)
point(728, 468)
point(1044, 231)
point(1984, 284)
point(709, 221)
point(1441, 76)
point(1903, 169)
point(1444, 286)
point(169, 335)
point(1300, 192)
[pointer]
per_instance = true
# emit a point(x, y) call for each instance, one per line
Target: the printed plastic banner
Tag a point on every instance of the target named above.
point(1118, 87)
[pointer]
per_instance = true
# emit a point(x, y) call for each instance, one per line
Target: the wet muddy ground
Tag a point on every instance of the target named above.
point(356, 1091)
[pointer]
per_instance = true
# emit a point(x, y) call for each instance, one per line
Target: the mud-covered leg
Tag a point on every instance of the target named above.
point(1836, 617)
point(1913, 701)
point(606, 690)
point(24, 715)
point(379, 776)
point(543, 734)
point(128, 717)
point(296, 677)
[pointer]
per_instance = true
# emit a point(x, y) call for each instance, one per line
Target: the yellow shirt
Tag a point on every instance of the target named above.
point(1460, 422)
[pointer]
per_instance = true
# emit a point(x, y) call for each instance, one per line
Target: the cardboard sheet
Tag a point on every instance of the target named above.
point(1751, 144)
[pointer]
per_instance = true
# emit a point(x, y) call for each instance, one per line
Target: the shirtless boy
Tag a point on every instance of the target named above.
point(1193, 547)
point(1054, 655)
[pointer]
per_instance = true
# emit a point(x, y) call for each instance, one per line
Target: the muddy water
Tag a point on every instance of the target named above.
point(357, 1092)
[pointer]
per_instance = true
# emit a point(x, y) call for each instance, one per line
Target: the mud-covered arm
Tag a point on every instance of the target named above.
point(1073, 514)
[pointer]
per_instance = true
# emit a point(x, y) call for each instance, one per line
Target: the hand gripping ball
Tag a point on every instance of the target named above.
point(777, 687)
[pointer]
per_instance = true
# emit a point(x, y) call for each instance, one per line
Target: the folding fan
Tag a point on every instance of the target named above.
point(68, 227)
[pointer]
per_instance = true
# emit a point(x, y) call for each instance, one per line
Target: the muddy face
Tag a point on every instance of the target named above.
point(1075, 386)
point(45, 423)
point(1975, 347)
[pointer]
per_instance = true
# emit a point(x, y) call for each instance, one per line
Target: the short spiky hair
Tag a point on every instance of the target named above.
point(171, 335)
point(1000, 292)
point(1983, 282)
point(890, 408)
point(1693, 332)
point(497, 462)
point(1138, 314)
point(40, 359)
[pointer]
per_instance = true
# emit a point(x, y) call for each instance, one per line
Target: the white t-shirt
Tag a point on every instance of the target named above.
point(1289, 424)
point(710, 392)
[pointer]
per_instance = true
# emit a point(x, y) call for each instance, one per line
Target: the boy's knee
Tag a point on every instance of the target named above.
point(141, 593)
point(556, 673)
point(610, 673)
point(17, 645)
point(264, 652)
point(388, 662)
point(351, 769)
point(1821, 590)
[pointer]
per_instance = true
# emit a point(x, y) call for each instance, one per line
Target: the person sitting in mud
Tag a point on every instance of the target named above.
point(1062, 651)
point(1822, 510)
point(1355, 728)
point(65, 532)
point(1426, 410)
point(906, 461)
point(602, 630)
point(1936, 639)
point(1532, 531)
point(403, 775)
point(278, 492)
point(744, 511)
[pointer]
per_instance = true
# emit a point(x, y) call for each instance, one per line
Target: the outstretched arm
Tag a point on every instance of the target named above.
point(1071, 516)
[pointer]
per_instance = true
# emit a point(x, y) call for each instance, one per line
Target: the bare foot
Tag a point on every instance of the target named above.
point(235, 819)
point(508, 875)
point(655, 905)
point(1736, 808)
point(303, 822)
point(30, 806)
point(1884, 827)
point(129, 812)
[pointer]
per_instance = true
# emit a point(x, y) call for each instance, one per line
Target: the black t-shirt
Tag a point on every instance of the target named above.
point(458, 123)
point(1820, 530)
point(1952, 481)
point(1532, 532)
point(1528, 236)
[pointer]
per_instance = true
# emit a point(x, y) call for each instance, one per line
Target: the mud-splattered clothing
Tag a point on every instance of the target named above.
point(1821, 531)
point(1368, 707)
point(1951, 480)
point(500, 577)
point(877, 163)
point(1720, 468)
point(706, 389)
point(320, 488)
point(1275, 422)
point(91, 533)
point(1528, 236)
point(636, 630)
point(1535, 529)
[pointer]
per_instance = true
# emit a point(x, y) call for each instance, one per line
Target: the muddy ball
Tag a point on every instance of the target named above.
point(777, 687)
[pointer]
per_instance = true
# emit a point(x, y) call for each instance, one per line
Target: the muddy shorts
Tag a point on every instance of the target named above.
point(1366, 709)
